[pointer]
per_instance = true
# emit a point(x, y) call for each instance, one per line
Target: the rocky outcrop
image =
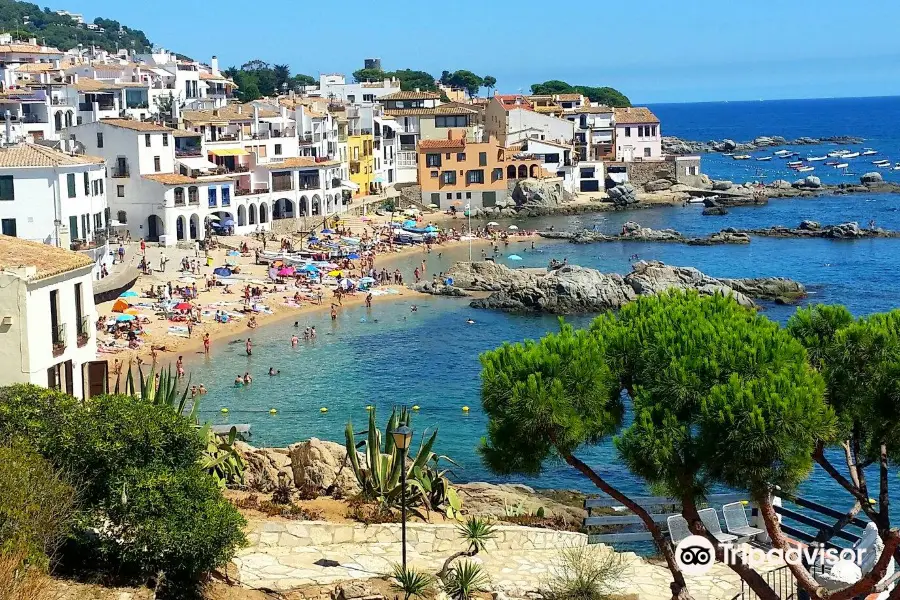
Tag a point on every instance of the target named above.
point(871, 178)
point(489, 499)
point(779, 289)
point(426, 287)
point(715, 211)
point(658, 185)
point(537, 193)
point(726, 236)
point(262, 466)
point(623, 195)
point(575, 289)
point(633, 232)
point(812, 229)
point(674, 145)
point(722, 186)
point(314, 466)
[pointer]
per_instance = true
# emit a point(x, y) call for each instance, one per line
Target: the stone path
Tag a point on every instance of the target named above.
point(285, 555)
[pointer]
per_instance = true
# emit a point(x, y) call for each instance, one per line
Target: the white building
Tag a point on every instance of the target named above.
point(638, 136)
point(556, 158)
point(47, 313)
point(14, 53)
point(335, 87)
point(594, 131)
point(55, 198)
point(512, 119)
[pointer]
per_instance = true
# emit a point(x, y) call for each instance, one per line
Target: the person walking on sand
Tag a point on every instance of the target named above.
point(416, 274)
point(143, 247)
point(190, 326)
point(206, 343)
point(249, 347)
point(121, 253)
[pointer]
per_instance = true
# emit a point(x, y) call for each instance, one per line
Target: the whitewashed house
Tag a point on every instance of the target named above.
point(47, 316)
point(513, 118)
point(638, 135)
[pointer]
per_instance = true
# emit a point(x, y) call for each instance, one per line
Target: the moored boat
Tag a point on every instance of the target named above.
point(741, 157)
point(851, 155)
point(762, 158)
point(805, 169)
point(841, 165)
point(815, 158)
point(869, 152)
point(782, 153)
point(837, 153)
point(795, 164)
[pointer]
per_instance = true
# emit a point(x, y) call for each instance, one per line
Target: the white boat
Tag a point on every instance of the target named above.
point(841, 165)
point(837, 153)
point(881, 163)
point(794, 164)
point(762, 158)
point(869, 152)
point(851, 155)
point(805, 169)
point(782, 153)
point(695, 201)
point(897, 167)
point(741, 157)
point(815, 158)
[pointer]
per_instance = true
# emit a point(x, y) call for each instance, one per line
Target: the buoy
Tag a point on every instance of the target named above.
point(224, 410)
point(323, 410)
point(370, 407)
point(272, 411)
point(415, 407)
point(465, 409)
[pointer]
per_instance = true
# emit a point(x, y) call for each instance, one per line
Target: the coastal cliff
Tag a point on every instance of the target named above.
point(569, 289)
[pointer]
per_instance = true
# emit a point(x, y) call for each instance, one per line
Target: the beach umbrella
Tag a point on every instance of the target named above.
point(222, 272)
point(366, 280)
point(228, 223)
point(213, 218)
point(353, 256)
point(286, 272)
point(515, 257)
point(128, 294)
point(310, 268)
point(409, 223)
point(335, 273)
point(120, 305)
point(327, 231)
point(123, 318)
point(233, 253)
point(513, 227)
point(277, 263)
point(183, 306)
point(132, 311)
point(493, 224)
point(431, 229)
point(345, 284)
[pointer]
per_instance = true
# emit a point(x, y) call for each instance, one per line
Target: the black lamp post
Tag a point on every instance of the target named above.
point(402, 438)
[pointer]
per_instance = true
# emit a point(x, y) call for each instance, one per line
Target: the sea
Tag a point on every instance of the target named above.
point(391, 355)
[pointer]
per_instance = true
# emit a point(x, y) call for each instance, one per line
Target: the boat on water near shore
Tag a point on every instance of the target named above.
point(741, 157)
point(795, 164)
point(815, 158)
point(869, 152)
point(841, 165)
point(783, 153)
point(881, 163)
point(762, 158)
point(851, 155)
point(838, 153)
point(805, 169)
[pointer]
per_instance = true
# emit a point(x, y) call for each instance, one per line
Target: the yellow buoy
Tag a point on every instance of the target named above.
point(415, 407)
point(272, 411)
point(465, 409)
point(369, 407)
point(323, 410)
point(224, 410)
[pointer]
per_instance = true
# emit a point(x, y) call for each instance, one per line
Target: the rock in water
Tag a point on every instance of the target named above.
point(658, 185)
point(320, 466)
point(623, 195)
point(537, 193)
point(812, 182)
point(653, 277)
point(715, 211)
point(780, 184)
point(721, 186)
point(810, 225)
point(870, 178)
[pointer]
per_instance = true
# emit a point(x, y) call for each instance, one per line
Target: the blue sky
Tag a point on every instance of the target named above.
point(652, 50)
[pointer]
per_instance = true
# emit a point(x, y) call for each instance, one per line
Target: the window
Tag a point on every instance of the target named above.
point(459, 195)
point(99, 139)
point(497, 174)
point(87, 184)
point(482, 159)
point(628, 132)
point(6, 188)
point(98, 221)
point(165, 139)
point(449, 197)
point(156, 164)
point(102, 185)
point(120, 191)
point(452, 121)
point(476, 176)
point(147, 139)
point(122, 217)
point(460, 156)
point(435, 174)
point(646, 152)
point(468, 195)
point(70, 183)
point(8, 227)
point(368, 97)
point(432, 160)
point(193, 195)
point(640, 131)
point(448, 177)
point(351, 98)
point(213, 199)
point(277, 149)
point(179, 196)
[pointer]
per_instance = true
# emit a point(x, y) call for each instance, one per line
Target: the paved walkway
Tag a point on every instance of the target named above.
point(286, 555)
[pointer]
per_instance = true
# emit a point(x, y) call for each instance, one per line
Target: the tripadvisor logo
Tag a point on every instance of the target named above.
point(695, 555)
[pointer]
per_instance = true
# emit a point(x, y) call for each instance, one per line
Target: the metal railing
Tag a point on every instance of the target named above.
point(188, 152)
point(283, 187)
point(120, 173)
point(84, 331)
point(59, 339)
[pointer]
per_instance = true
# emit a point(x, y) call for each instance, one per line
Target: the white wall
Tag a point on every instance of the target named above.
point(631, 145)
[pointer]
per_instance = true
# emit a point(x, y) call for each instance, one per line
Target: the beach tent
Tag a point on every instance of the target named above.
point(120, 305)
point(222, 272)
point(431, 229)
point(409, 223)
point(233, 253)
point(128, 294)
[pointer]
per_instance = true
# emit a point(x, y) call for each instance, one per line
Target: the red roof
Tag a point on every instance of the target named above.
point(441, 144)
point(512, 101)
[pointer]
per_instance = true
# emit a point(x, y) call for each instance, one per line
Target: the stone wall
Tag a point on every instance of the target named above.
point(640, 173)
point(424, 538)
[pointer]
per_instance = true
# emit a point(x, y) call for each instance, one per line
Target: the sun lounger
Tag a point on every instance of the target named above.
point(736, 521)
point(710, 519)
point(678, 528)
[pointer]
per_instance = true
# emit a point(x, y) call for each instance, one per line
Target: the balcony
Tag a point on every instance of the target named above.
point(57, 101)
point(306, 138)
point(407, 147)
point(89, 106)
point(179, 202)
point(224, 138)
point(84, 331)
point(282, 186)
point(59, 339)
point(311, 183)
point(30, 118)
point(184, 152)
point(120, 173)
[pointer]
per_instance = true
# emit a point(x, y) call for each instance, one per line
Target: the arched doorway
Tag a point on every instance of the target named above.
point(252, 215)
point(195, 227)
point(179, 228)
point(328, 208)
point(535, 171)
point(316, 205)
point(284, 209)
point(69, 119)
point(155, 227)
point(304, 206)
point(523, 171)
point(58, 120)
point(242, 216)
point(263, 213)
point(511, 172)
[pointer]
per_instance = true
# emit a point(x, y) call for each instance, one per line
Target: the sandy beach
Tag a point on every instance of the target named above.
point(156, 329)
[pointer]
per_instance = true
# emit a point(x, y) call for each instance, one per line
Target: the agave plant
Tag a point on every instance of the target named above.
point(410, 582)
point(161, 389)
point(220, 459)
point(434, 487)
point(466, 579)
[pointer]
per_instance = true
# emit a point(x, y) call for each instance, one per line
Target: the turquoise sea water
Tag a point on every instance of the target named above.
point(389, 355)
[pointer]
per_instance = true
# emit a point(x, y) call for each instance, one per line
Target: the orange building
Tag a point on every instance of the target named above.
point(454, 172)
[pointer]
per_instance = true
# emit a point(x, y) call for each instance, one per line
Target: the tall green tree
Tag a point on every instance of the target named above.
point(490, 82)
point(282, 74)
point(466, 80)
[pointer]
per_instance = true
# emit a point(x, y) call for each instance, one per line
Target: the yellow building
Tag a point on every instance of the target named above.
point(362, 162)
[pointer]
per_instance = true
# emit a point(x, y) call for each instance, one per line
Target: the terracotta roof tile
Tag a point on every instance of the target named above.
point(441, 144)
point(411, 95)
point(226, 114)
point(87, 84)
point(48, 260)
point(185, 133)
point(35, 155)
point(593, 110)
point(171, 178)
point(422, 112)
point(300, 162)
point(146, 126)
point(27, 49)
point(635, 114)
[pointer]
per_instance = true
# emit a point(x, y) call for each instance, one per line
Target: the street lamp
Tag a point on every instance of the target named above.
point(402, 439)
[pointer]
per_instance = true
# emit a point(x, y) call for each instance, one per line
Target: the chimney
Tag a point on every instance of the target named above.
point(6, 116)
point(283, 113)
point(56, 64)
point(255, 119)
point(32, 41)
point(214, 65)
point(417, 90)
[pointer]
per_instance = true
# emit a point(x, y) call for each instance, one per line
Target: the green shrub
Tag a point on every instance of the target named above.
point(36, 506)
point(584, 573)
point(44, 419)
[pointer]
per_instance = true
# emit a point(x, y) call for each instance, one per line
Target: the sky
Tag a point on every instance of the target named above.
point(651, 50)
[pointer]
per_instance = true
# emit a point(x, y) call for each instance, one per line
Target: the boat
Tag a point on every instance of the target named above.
point(851, 155)
point(795, 164)
point(695, 201)
point(762, 158)
point(782, 153)
point(805, 169)
point(841, 165)
point(869, 152)
point(897, 167)
point(881, 163)
point(831, 163)
point(815, 158)
point(837, 153)
point(741, 157)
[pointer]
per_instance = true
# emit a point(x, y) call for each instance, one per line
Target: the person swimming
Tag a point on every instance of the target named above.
point(294, 341)
point(238, 381)
point(470, 321)
point(312, 332)
point(414, 308)
point(273, 371)
point(247, 378)
point(296, 323)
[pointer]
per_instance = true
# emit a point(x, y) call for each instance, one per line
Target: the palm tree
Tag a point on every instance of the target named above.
point(475, 532)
